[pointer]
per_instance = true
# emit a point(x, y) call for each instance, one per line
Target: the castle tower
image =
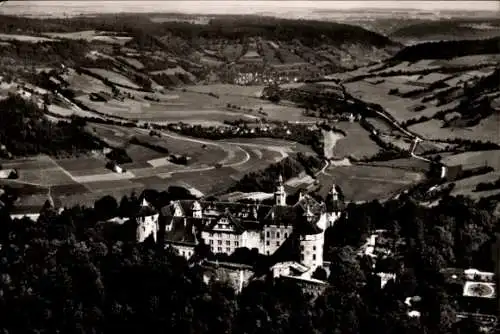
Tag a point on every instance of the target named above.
point(196, 209)
point(280, 194)
point(311, 242)
point(146, 221)
point(334, 206)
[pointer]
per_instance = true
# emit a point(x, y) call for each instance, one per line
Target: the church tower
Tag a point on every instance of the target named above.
point(334, 206)
point(196, 209)
point(280, 194)
point(146, 221)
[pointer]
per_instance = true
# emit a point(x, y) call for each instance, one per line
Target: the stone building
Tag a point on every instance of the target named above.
point(227, 226)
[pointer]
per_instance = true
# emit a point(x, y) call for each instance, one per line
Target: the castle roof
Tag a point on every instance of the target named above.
point(307, 201)
point(182, 231)
point(305, 227)
point(146, 211)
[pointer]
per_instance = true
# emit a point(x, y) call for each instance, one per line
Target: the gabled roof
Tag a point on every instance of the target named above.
point(145, 211)
point(182, 231)
point(308, 201)
point(238, 225)
point(304, 227)
point(238, 210)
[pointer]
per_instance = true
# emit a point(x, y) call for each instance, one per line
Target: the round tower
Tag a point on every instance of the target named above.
point(311, 241)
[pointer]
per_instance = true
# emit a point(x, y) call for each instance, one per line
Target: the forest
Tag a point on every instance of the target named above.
point(70, 273)
point(265, 180)
point(448, 49)
point(24, 130)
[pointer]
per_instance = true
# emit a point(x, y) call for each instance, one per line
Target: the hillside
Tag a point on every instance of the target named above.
point(24, 130)
point(458, 28)
point(448, 49)
point(177, 52)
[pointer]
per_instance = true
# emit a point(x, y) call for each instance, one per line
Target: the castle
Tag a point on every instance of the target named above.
point(226, 226)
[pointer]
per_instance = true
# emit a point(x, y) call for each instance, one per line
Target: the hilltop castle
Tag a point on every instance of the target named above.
point(290, 229)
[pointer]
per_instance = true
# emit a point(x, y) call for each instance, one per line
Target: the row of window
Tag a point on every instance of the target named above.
point(303, 257)
point(302, 247)
point(219, 250)
point(218, 235)
point(228, 243)
point(268, 243)
point(268, 235)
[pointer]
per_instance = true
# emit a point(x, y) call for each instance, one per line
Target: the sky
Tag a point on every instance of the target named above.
point(231, 6)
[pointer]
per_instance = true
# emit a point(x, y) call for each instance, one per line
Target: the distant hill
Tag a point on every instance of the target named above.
point(447, 30)
point(231, 43)
point(448, 49)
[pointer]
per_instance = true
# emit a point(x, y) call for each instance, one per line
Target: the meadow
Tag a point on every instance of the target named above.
point(486, 130)
point(113, 77)
point(356, 144)
point(84, 179)
point(366, 183)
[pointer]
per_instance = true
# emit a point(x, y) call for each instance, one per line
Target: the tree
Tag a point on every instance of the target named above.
point(320, 274)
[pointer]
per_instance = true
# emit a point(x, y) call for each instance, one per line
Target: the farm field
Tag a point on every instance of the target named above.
point(182, 106)
point(366, 183)
point(474, 159)
point(227, 89)
point(24, 38)
point(466, 186)
point(398, 107)
point(82, 180)
point(357, 143)
point(90, 35)
point(487, 130)
point(113, 77)
point(83, 83)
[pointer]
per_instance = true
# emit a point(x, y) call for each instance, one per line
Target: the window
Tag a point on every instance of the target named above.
point(228, 243)
point(302, 257)
point(301, 247)
point(277, 235)
point(267, 252)
point(228, 250)
point(219, 242)
point(277, 243)
point(314, 247)
point(267, 243)
point(268, 234)
point(314, 256)
point(219, 249)
point(236, 244)
point(286, 235)
point(211, 242)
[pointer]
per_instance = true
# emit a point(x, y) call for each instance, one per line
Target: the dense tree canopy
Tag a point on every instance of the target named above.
point(24, 130)
point(71, 272)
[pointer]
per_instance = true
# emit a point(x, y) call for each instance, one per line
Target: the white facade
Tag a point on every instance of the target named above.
point(267, 231)
point(311, 250)
point(280, 194)
point(273, 236)
point(146, 226)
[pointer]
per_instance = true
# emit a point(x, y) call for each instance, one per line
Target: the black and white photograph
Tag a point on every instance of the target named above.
point(249, 167)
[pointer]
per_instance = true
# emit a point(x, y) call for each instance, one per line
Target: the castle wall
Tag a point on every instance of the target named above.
point(273, 237)
point(237, 278)
point(252, 239)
